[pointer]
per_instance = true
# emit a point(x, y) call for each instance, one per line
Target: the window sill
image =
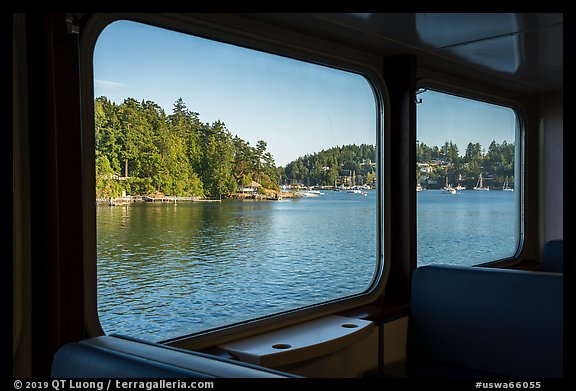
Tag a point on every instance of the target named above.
point(382, 310)
point(300, 342)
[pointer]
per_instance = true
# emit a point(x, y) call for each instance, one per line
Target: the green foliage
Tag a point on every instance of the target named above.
point(106, 185)
point(495, 165)
point(216, 164)
point(325, 167)
point(141, 150)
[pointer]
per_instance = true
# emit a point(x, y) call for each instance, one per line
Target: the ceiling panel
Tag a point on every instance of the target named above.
point(521, 49)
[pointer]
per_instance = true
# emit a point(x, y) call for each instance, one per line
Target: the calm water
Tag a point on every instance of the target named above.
point(467, 228)
point(167, 270)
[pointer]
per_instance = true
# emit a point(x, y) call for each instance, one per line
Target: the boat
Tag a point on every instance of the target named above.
point(460, 187)
point(480, 185)
point(506, 186)
point(448, 189)
point(309, 192)
point(305, 193)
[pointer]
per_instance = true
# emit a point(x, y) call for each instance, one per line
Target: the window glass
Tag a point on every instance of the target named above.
point(231, 184)
point(468, 209)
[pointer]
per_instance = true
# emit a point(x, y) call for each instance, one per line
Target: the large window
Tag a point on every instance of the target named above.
point(231, 184)
point(468, 180)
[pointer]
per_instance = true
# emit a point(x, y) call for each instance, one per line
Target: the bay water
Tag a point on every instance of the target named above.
point(166, 270)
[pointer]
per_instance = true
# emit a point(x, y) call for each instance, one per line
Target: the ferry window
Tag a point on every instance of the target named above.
point(468, 181)
point(231, 184)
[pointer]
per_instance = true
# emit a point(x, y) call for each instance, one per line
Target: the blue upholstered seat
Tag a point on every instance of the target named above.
point(552, 256)
point(494, 321)
point(113, 357)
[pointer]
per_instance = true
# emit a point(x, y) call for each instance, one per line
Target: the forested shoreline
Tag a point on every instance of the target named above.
point(435, 164)
point(328, 167)
point(140, 150)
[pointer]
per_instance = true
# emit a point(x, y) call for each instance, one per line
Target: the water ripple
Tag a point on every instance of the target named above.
point(169, 270)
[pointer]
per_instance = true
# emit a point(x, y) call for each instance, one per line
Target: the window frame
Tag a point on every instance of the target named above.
point(21, 191)
point(214, 27)
point(471, 91)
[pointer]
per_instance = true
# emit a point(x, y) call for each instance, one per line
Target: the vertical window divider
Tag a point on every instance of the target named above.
point(400, 78)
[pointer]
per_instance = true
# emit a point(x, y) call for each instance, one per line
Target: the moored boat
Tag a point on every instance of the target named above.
point(480, 184)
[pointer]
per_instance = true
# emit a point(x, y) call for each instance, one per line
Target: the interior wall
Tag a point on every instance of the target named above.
point(21, 313)
point(394, 341)
point(551, 125)
point(352, 361)
point(356, 360)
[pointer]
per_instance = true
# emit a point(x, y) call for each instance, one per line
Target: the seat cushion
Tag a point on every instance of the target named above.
point(113, 357)
point(490, 320)
point(552, 256)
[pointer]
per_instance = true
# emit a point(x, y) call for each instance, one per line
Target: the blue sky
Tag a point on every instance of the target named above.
point(442, 117)
point(296, 107)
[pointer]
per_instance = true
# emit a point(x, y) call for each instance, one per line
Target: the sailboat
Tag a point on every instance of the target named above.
point(479, 185)
point(506, 187)
point(448, 189)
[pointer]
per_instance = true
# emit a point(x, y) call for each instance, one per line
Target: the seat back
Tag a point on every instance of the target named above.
point(552, 256)
point(113, 357)
point(492, 320)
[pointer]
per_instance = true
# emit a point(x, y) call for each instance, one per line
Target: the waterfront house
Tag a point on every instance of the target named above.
point(251, 188)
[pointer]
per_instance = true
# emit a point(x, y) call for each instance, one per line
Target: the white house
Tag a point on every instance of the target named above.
point(251, 188)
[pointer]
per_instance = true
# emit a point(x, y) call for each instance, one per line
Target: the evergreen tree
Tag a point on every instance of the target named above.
point(324, 167)
point(217, 160)
point(496, 164)
point(140, 150)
